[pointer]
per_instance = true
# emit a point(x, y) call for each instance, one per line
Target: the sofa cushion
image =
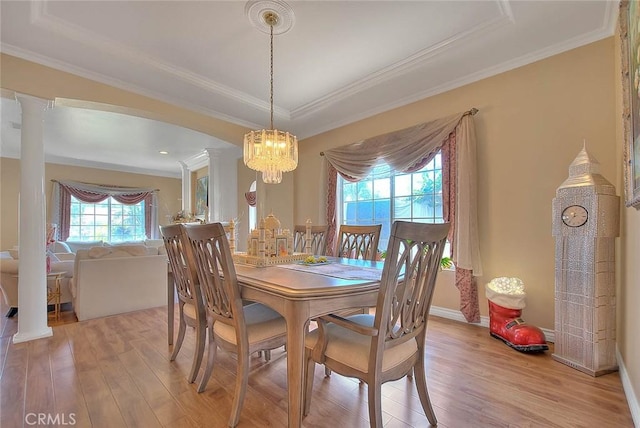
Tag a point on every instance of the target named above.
point(60, 247)
point(9, 266)
point(117, 244)
point(74, 246)
point(65, 266)
point(118, 251)
point(154, 243)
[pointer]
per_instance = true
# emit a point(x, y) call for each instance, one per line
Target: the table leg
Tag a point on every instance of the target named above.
point(57, 301)
point(296, 329)
point(170, 304)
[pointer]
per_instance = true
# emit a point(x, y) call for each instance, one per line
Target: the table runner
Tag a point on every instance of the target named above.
point(337, 270)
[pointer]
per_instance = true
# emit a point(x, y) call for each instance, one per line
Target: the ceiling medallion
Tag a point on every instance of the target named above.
point(270, 151)
point(256, 11)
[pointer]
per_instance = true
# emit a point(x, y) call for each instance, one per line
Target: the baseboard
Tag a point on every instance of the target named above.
point(455, 315)
point(632, 399)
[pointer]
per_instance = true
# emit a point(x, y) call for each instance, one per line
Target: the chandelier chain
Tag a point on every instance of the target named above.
point(271, 81)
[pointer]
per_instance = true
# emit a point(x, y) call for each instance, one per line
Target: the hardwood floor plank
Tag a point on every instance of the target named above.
point(163, 404)
point(135, 410)
point(102, 407)
point(13, 386)
point(115, 372)
point(39, 385)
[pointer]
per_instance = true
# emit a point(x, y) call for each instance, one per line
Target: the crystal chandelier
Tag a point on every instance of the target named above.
point(271, 151)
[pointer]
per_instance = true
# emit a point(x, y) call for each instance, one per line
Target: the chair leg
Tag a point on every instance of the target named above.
point(201, 338)
point(242, 380)
point(308, 381)
point(267, 355)
point(181, 331)
point(211, 357)
point(375, 404)
point(327, 371)
point(11, 312)
point(423, 392)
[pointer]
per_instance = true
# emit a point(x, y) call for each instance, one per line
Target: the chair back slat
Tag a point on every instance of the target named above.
point(318, 239)
point(216, 273)
point(408, 280)
point(180, 261)
point(358, 241)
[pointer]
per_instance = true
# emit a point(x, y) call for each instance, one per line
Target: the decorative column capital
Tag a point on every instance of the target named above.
point(33, 103)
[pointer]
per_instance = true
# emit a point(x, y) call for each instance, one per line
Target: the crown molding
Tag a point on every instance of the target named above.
point(568, 45)
point(407, 64)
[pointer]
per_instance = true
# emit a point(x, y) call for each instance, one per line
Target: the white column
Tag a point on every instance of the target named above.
point(215, 186)
point(186, 188)
point(32, 280)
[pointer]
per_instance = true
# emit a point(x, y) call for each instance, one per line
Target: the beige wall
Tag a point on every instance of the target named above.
point(530, 127)
point(168, 197)
point(628, 250)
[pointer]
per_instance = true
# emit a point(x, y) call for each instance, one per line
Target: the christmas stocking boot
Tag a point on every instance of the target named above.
point(506, 301)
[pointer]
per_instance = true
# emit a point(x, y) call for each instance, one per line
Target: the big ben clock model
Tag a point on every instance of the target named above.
point(585, 225)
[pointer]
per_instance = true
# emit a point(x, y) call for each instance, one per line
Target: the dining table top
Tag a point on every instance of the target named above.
point(305, 281)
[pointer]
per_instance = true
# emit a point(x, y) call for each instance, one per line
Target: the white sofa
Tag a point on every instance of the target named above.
point(110, 280)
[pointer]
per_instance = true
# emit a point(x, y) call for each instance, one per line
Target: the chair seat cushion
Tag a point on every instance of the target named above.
point(352, 349)
point(263, 323)
point(189, 310)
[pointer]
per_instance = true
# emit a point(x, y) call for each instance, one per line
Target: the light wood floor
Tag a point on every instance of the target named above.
point(115, 372)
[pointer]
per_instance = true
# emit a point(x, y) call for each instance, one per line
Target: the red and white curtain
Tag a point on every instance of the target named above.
point(409, 150)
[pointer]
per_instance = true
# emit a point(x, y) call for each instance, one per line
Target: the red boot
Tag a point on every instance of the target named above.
point(506, 300)
point(505, 324)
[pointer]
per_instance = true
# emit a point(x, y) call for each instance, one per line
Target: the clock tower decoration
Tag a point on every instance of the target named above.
point(585, 225)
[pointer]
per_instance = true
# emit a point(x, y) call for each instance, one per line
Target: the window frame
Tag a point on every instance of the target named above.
point(109, 202)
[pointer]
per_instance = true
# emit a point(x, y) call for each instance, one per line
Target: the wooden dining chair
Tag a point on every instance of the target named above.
point(358, 241)
point(390, 344)
point(233, 327)
point(191, 306)
point(318, 239)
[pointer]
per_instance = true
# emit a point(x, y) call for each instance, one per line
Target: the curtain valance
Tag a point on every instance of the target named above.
point(404, 150)
point(409, 150)
point(94, 193)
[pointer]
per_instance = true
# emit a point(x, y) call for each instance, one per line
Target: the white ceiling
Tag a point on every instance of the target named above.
point(342, 61)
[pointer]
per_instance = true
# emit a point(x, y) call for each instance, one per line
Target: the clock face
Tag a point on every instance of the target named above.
point(575, 215)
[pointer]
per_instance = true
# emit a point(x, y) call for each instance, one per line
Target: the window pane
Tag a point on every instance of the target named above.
point(349, 192)
point(382, 188)
point(402, 185)
point(402, 207)
point(387, 195)
point(364, 189)
point(364, 212)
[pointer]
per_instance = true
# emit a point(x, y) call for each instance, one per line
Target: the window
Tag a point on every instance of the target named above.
point(108, 220)
point(387, 195)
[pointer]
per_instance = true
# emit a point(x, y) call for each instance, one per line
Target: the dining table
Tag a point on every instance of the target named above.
point(302, 291)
